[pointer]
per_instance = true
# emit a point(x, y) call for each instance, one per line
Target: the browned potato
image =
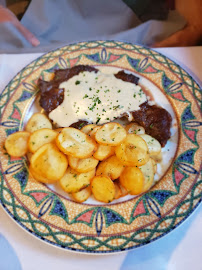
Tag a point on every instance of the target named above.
point(103, 152)
point(103, 188)
point(124, 191)
point(29, 156)
point(110, 134)
point(82, 195)
point(132, 179)
point(118, 193)
point(82, 165)
point(153, 145)
point(40, 178)
point(111, 167)
point(16, 144)
point(154, 165)
point(135, 129)
point(41, 137)
point(93, 131)
point(86, 129)
point(49, 162)
point(133, 151)
point(75, 143)
point(58, 130)
point(38, 121)
point(72, 181)
point(148, 172)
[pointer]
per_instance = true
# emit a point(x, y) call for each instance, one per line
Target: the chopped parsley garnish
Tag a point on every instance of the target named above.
point(98, 120)
point(77, 82)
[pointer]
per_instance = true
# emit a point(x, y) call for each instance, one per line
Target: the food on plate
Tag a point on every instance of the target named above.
point(154, 146)
point(93, 131)
point(82, 195)
point(99, 135)
point(49, 162)
point(86, 129)
point(103, 152)
point(39, 177)
point(84, 95)
point(41, 137)
point(155, 120)
point(77, 160)
point(118, 193)
point(133, 151)
point(91, 96)
point(111, 167)
point(82, 165)
point(110, 134)
point(132, 179)
point(103, 188)
point(16, 143)
point(38, 121)
point(148, 172)
point(52, 95)
point(134, 129)
point(75, 143)
point(73, 181)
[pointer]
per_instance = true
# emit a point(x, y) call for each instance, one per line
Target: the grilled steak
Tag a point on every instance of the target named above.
point(155, 120)
point(51, 95)
point(127, 77)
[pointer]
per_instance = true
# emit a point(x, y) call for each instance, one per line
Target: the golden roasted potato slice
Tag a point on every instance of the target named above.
point(104, 151)
point(135, 129)
point(103, 188)
point(75, 143)
point(72, 181)
point(118, 193)
point(41, 137)
point(110, 134)
point(111, 167)
point(86, 129)
point(49, 162)
point(133, 151)
point(82, 195)
point(153, 145)
point(29, 156)
point(58, 130)
point(82, 165)
point(38, 121)
point(16, 144)
point(124, 191)
point(154, 165)
point(40, 178)
point(148, 172)
point(93, 131)
point(132, 179)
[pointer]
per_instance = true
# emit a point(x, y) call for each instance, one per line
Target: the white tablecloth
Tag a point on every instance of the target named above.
point(179, 250)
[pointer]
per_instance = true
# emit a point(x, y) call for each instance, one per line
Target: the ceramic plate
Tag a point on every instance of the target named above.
point(121, 225)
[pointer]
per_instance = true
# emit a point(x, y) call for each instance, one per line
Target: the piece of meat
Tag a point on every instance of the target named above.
point(62, 75)
point(51, 95)
point(127, 77)
point(79, 124)
point(156, 121)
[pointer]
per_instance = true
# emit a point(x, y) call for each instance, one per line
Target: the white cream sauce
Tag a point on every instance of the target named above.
point(97, 98)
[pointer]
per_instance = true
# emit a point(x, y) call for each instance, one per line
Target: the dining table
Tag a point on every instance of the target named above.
point(181, 249)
